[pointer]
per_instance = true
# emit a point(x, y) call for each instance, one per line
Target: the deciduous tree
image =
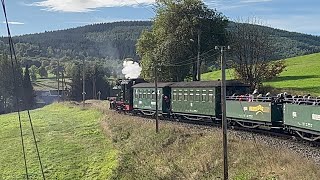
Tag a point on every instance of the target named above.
point(252, 52)
point(171, 42)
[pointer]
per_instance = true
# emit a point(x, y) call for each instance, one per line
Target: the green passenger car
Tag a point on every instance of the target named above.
point(302, 118)
point(256, 112)
point(201, 98)
point(144, 97)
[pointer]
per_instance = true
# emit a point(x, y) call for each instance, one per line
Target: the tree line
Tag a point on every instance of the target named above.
point(95, 78)
point(16, 91)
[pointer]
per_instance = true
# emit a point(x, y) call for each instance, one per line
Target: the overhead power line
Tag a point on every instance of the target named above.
point(13, 59)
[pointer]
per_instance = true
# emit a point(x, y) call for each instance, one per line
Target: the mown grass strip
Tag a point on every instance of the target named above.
point(71, 142)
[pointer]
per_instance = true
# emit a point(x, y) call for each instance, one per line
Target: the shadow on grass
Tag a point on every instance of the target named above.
point(288, 78)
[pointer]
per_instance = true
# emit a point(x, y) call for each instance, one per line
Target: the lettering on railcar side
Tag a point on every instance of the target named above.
point(316, 117)
point(294, 115)
point(305, 124)
point(259, 109)
point(246, 116)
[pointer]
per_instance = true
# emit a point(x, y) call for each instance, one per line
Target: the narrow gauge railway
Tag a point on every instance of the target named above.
point(200, 101)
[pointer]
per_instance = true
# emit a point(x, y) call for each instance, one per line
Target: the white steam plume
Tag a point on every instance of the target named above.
point(131, 69)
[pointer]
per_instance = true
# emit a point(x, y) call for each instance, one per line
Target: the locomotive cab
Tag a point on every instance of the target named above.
point(125, 95)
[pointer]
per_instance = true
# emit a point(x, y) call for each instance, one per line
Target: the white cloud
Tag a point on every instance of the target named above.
point(254, 1)
point(14, 23)
point(232, 4)
point(86, 5)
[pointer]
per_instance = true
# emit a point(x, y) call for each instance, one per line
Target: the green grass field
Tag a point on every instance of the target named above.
point(45, 84)
point(50, 83)
point(301, 76)
point(71, 142)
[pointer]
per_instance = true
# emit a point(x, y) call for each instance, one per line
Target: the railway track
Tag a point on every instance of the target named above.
point(309, 150)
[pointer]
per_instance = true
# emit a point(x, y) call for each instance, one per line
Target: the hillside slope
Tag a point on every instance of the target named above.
point(117, 40)
point(301, 76)
point(106, 40)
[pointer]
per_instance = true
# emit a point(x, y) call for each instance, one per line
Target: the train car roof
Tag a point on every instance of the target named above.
point(229, 83)
point(151, 85)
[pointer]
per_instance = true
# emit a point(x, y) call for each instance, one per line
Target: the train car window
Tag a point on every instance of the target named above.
point(197, 99)
point(144, 94)
point(204, 96)
point(191, 97)
point(210, 97)
point(180, 96)
point(185, 95)
point(140, 94)
point(153, 95)
point(174, 95)
point(149, 94)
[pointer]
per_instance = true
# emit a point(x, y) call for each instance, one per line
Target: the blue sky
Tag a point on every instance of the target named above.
point(32, 16)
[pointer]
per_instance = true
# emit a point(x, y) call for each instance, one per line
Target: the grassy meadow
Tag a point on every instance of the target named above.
point(301, 76)
point(71, 143)
point(49, 83)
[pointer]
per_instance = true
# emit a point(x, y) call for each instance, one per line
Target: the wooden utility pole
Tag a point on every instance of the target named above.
point(83, 83)
point(94, 91)
point(99, 95)
point(223, 108)
point(62, 77)
point(58, 78)
point(198, 57)
point(156, 93)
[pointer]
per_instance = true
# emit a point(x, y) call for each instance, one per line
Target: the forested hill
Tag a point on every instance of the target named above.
point(117, 40)
point(106, 40)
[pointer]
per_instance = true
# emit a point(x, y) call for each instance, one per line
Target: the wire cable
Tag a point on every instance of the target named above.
point(184, 64)
point(13, 56)
point(15, 89)
point(36, 144)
